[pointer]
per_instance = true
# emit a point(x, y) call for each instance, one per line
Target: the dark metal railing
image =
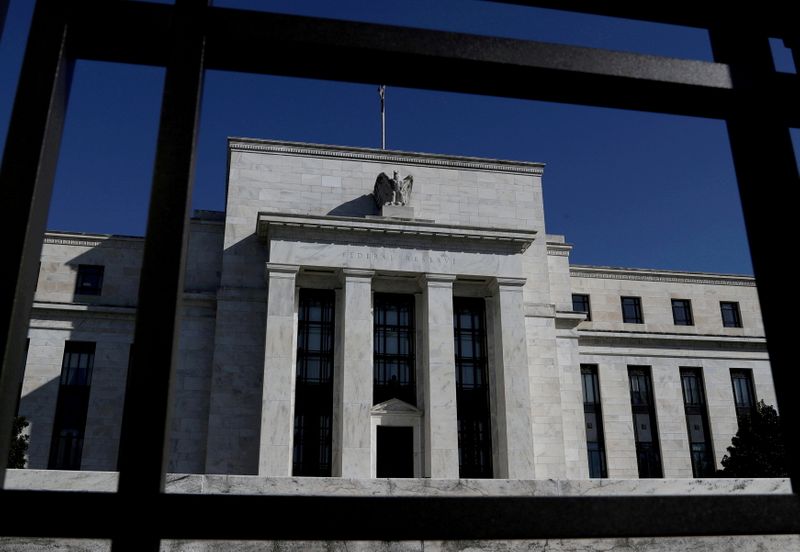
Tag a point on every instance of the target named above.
point(740, 87)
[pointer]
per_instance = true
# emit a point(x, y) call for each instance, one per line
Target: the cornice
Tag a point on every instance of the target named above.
point(667, 276)
point(92, 240)
point(384, 156)
point(558, 249)
point(393, 228)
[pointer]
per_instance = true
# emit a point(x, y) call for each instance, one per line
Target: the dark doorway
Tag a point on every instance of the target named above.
point(395, 451)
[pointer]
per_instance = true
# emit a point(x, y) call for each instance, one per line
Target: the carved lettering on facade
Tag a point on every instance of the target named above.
point(410, 257)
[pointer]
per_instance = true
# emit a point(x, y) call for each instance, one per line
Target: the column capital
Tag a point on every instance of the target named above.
point(279, 270)
point(501, 284)
point(437, 280)
point(356, 273)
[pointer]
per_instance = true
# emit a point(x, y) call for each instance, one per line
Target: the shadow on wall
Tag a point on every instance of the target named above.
point(358, 207)
point(39, 407)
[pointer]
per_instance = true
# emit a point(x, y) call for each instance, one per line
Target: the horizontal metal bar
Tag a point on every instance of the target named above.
point(205, 517)
point(121, 31)
point(267, 43)
point(773, 18)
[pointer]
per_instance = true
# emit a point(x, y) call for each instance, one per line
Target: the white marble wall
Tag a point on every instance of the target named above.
point(439, 378)
point(353, 381)
point(545, 392)
point(511, 391)
point(574, 425)
point(656, 289)
point(670, 415)
point(280, 354)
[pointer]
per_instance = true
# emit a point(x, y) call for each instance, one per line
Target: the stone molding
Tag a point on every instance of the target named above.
point(383, 156)
point(279, 270)
point(356, 273)
point(558, 249)
point(437, 280)
point(646, 275)
point(502, 282)
point(540, 310)
point(521, 238)
point(92, 240)
point(318, 486)
point(396, 407)
point(84, 308)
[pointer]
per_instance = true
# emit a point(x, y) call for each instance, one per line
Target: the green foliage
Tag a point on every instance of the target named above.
point(757, 449)
point(19, 443)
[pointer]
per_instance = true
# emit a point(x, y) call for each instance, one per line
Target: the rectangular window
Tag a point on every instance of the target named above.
point(694, 404)
point(72, 406)
point(731, 317)
point(393, 359)
point(472, 389)
point(645, 429)
point(90, 280)
point(313, 413)
point(632, 310)
point(593, 414)
point(682, 312)
point(580, 303)
point(744, 396)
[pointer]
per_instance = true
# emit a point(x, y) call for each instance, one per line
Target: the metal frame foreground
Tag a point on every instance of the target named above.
point(758, 105)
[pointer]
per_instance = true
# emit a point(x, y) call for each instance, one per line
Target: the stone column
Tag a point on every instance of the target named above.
point(353, 377)
point(280, 351)
point(512, 388)
point(439, 385)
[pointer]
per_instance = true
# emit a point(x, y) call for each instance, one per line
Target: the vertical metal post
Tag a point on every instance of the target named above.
point(143, 455)
point(26, 184)
point(3, 12)
point(766, 172)
point(382, 92)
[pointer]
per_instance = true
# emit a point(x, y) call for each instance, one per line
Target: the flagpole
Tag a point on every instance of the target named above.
point(382, 93)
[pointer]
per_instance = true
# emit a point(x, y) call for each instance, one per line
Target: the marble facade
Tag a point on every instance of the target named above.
point(301, 216)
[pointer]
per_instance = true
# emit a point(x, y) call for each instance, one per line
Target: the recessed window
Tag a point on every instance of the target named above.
point(744, 396)
point(682, 312)
point(90, 280)
point(632, 310)
point(731, 316)
point(72, 406)
point(393, 359)
point(580, 303)
point(313, 415)
point(694, 405)
point(472, 389)
point(593, 417)
point(645, 429)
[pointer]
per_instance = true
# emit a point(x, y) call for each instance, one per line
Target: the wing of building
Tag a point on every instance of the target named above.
point(438, 333)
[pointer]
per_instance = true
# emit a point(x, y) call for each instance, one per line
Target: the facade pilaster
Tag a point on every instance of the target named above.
point(280, 350)
point(439, 378)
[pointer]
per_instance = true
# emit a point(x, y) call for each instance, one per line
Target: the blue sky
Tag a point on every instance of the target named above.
point(626, 188)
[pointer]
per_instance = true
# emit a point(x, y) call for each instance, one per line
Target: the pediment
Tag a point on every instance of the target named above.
point(396, 406)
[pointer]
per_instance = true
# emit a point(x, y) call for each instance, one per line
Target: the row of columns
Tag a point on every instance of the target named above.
point(353, 377)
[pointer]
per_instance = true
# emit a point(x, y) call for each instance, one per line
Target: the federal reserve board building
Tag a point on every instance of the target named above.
point(370, 322)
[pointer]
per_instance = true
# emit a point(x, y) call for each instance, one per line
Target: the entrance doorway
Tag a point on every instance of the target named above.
point(395, 451)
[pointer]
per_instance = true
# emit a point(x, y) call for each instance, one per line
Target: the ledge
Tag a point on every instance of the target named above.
point(651, 275)
point(81, 307)
point(335, 486)
point(384, 156)
point(388, 227)
point(710, 338)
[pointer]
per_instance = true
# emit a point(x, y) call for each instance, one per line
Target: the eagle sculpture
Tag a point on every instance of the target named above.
point(392, 191)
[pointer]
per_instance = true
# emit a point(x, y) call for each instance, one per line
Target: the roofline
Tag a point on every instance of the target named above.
point(375, 155)
point(659, 275)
